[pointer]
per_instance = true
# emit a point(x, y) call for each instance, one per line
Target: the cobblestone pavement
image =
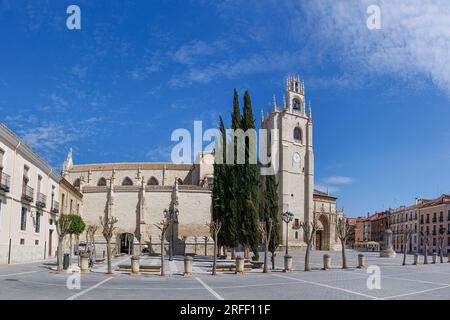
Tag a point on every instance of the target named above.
point(38, 280)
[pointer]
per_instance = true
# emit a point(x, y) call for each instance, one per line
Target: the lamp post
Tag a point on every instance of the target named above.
point(287, 217)
point(171, 215)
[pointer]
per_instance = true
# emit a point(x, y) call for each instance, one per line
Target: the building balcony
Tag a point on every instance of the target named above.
point(28, 194)
point(441, 219)
point(41, 200)
point(55, 207)
point(434, 220)
point(5, 182)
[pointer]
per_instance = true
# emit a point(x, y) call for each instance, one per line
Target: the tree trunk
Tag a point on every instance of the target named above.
point(77, 240)
point(344, 258)
point(233, 254)
point(70, 251)
point(59, 265)
point(246, 251)
point(272, 258)
point(225, 251)
point(307, 268)
point(441, 252)
point(215, 257)
point(404, 255)
point(425, 258)
point(162, 255)
point(108, 254)
point(266, 252)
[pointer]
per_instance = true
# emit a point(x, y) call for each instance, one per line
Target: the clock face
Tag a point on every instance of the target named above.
point(296, 157)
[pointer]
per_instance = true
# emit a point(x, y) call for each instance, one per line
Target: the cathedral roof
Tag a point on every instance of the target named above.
point(130, 166)
point(323, 194)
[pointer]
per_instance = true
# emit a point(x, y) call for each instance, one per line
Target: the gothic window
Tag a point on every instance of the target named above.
point(152, 181)
point(76, 183)
point(127, 182)
point(298, 134)
point(101, 182)
point(296, 104)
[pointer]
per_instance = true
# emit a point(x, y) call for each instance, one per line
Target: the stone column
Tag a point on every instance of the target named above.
point(287, 263)
point(326, 262)
point(135, 268)
point(84, 263)
point(388, 251)
point(434, 257)
point(188, 265)
point(240, 265)
point(360, 261)
point(416, 259)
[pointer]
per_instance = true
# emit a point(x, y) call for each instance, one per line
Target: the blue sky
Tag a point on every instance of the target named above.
point(116, 89)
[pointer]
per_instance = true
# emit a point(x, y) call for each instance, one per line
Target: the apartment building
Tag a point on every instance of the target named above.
point(435, 220)
point(29, 191)
point(402, 219)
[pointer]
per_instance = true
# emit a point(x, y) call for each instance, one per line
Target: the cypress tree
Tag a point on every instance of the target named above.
point(250, 185)
point(271, 214)
point(218, 193)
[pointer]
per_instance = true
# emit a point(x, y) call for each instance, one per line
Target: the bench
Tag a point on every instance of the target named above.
point(256, 264)
point(127, 267)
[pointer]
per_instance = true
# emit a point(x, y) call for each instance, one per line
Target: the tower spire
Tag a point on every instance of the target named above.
point(309, 110)
point(274, 103)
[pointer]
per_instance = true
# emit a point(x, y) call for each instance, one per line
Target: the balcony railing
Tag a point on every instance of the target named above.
point(28, 194)
point(41, 200)
point(55, 207)
point(5, 181)
point(441, 219)
point(434, 219)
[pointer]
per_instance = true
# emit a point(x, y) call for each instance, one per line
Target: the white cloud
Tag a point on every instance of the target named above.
point(337, 180)
point(414, 41)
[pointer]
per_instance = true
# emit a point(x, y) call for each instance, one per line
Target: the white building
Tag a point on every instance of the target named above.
point(29, 192)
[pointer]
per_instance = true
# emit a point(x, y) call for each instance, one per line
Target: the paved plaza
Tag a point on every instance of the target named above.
point(38, 280)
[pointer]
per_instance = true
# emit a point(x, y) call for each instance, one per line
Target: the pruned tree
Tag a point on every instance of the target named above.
point(214, 229)
point(91, 233)
point(77, 227)
point(108, 224)
point(163, 226)
point(343, 231)
point(62, 229)
point(406, 238)
point(206, 239)
point(266, 231)
point(425, 237)
point(441, 240)
point(309, 230)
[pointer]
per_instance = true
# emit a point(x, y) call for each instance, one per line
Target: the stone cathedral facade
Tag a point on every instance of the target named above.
point(138, 193)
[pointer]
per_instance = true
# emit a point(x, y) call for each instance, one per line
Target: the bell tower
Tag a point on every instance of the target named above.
point(295, 176)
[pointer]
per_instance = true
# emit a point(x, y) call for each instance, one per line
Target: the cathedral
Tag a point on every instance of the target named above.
point(138, 193)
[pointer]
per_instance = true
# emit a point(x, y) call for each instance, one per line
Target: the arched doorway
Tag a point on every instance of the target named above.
point(322, 240)
point(126, 243)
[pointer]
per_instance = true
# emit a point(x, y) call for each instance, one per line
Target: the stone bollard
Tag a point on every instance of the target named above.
point(188, 266)
point(326, 262)
point(287, 263)
point(416, 259)
point(240, 265)
point(84, 263)
point(434, 257)
point(135, 268)
point(360, 261)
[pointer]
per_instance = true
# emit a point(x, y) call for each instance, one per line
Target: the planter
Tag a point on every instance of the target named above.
point(287, 263)
point(240, 265)
point(360, 261)
point(326, 262)
point(84, 263)
point(188, 265)
point(135, 268)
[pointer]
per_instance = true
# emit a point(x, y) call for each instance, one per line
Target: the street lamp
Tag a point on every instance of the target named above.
point(171, 215)
point(287, 217)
